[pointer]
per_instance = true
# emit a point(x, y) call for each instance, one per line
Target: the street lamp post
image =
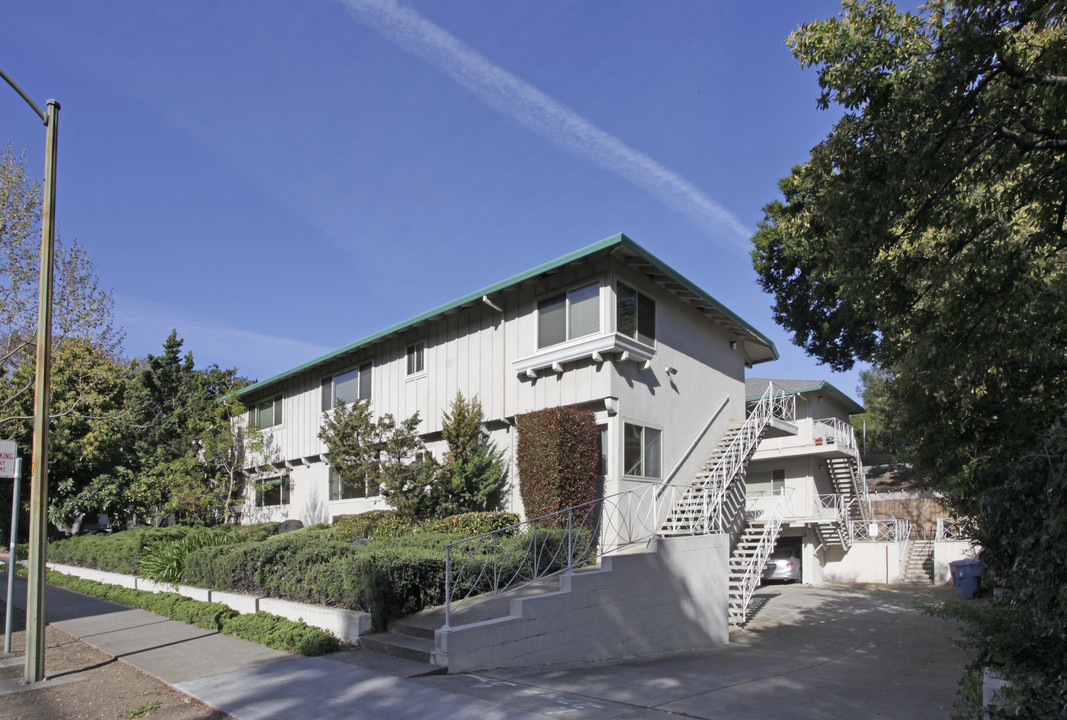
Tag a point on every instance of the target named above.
point(42, 385)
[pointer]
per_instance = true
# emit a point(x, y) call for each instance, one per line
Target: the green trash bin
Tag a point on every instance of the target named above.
point(966, 575)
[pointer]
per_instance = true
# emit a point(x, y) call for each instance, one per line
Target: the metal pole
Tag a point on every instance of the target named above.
point(39, 487)
point(11, 553)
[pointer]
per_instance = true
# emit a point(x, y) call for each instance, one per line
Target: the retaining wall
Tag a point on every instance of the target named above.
point(671, 597)
point(346, 625)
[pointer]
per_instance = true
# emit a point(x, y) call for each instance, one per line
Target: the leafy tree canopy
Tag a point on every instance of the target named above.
point(927, 234)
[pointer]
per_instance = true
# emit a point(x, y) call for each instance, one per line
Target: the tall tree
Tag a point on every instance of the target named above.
point(927, 234)
point(181, 456)
point(88, 467)
point(473, 471)
point(81, 309)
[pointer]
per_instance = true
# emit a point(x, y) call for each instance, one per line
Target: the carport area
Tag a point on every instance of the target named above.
point(831, 651)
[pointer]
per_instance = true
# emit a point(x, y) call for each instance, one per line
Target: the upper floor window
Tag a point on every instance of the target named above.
point(416, 357)
point(347, 387)
point(635, 314)
point(266, 413)
point(568, 315)
point(641, 451)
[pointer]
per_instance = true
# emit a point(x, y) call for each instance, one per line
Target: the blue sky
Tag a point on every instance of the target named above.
point(278, 179)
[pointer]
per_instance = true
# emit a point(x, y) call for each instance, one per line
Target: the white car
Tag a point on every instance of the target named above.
point(782, 565)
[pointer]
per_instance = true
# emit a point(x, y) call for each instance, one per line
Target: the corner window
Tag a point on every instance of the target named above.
point(641, 451)
point(416, 357)
point(569, 315)
point(635, 314)
point(266, 413)
point(273, 491)
point(347, 387)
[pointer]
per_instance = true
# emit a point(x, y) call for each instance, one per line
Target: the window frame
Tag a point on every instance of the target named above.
point(368, 493)
point(644, 320)
point(564, 295)
point(364, 389)
point(644, 446)
point(254, 412)
point(284, 484)
point(415, 355)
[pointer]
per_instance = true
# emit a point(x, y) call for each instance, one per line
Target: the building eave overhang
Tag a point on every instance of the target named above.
point(757, 347)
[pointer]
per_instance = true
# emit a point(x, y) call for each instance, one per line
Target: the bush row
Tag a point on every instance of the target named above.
point(379, 524)
point(389, 578)
point(121, 552)
point(263, 628)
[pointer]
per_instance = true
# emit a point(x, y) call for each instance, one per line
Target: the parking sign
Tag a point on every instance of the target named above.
point(8, 453)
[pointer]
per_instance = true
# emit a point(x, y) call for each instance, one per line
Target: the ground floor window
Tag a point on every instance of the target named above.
point(273, 491)
point(642, 451)
point(349, 487)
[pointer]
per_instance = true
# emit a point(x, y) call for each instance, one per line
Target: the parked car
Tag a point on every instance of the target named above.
point(782, 565)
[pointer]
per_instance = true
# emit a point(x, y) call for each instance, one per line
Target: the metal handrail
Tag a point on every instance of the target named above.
point(950, 529)
point(889, 530)
point(835, 430)
point(692, 445)
point(769, 406)
point(485, 566)
point(763, 550)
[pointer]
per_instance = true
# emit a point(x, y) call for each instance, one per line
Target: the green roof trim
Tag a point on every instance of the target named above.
point(607, 244)
point(796, 387)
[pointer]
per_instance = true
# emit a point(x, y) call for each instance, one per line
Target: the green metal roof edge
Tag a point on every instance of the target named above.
point(682, 280)
point(619, 239)
point(754, 398)
point(822, 384)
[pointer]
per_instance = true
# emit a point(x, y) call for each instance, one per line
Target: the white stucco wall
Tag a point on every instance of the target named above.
point(865, 562)
point(672, 597)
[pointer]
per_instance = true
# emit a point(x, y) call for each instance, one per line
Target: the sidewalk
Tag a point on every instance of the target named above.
point(829, 651)
point(245, 679)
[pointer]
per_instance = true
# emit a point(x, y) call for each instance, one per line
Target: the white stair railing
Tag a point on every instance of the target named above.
point(717, 483)
point(754, 570)
point(950, 529)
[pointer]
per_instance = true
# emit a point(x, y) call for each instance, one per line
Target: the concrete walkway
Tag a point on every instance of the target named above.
point(825, 652)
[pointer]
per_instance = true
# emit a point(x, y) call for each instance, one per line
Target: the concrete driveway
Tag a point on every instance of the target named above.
point(832, 651)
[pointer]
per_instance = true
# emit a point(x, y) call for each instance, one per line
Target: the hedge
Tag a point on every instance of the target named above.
point(372, 525)
point(558, 459)
point(121, 552)
point(263, 628)
point(472, 523)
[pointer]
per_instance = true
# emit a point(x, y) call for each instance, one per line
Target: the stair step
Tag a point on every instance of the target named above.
point(408, 647)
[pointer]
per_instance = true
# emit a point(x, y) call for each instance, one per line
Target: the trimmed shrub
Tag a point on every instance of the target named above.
point(558, 459)
point(262, 628)
point(277, 632)
point(389, 579)
point(121, 552)
point(373, 525)
point(472, 523)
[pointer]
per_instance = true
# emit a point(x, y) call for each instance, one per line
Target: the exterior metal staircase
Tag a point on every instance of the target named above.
point(920, 564)
point(715, 502)
point(835, 532)
point(851, 483)
point(691, 514)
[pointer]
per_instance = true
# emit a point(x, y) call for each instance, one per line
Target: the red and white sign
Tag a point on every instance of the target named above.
point(8, 452)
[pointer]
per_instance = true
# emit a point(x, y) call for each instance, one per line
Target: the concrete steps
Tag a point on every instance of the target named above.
point(919, 568)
